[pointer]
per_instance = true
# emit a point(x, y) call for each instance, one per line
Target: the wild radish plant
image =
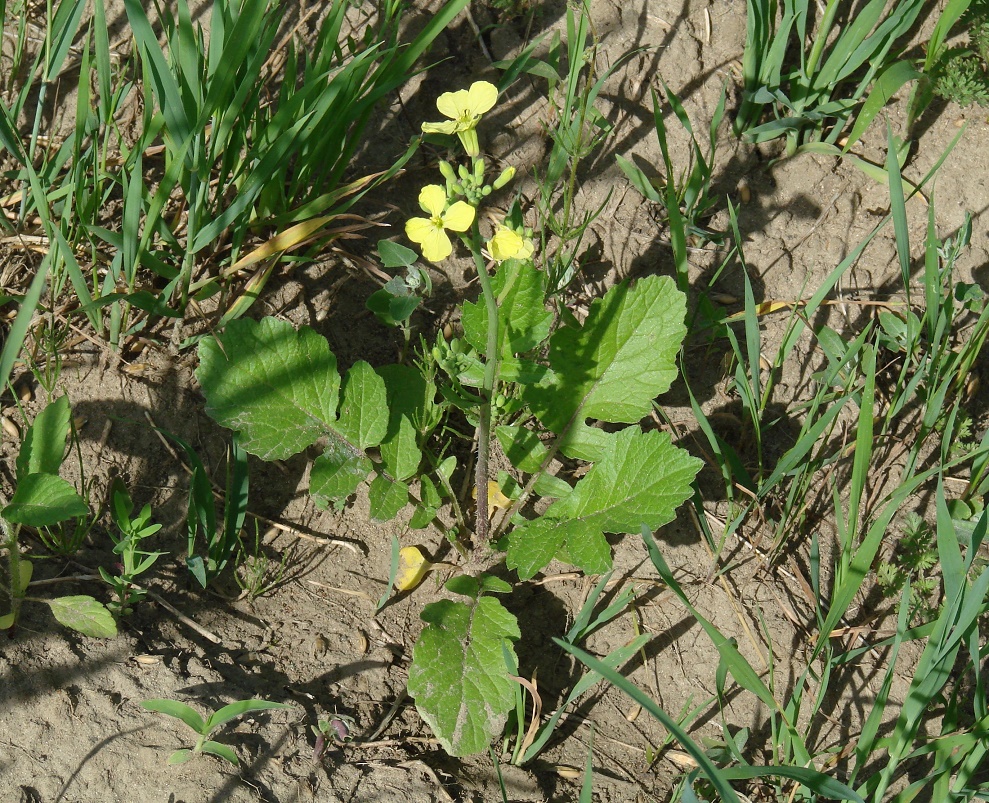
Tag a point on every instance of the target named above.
point(532, 385)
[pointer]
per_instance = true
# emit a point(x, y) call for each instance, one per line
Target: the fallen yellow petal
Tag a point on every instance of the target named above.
point(496, 499)
point(412, 567)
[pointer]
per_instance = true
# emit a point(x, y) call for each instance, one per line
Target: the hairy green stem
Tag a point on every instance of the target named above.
point(490, 381)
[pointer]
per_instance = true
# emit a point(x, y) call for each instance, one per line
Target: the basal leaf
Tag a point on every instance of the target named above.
point(44, 442)
point(276, 386)
point(336, 474)
point(641, 479)
point(42, 500)
point(525, 321)
point(613, 366)
point(84, 615)
point(387, 498)
point(459, 678)
point(363, 407)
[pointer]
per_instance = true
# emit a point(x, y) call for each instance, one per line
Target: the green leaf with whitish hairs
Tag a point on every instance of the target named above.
point(459, 678)
point(276, 386)
point(641, 479)
point(84, 615)
point(611, 367)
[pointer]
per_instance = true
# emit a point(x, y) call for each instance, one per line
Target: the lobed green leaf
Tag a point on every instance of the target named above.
point(641, 479)
point(613, 366)
point(459, 678)
point(276, 386)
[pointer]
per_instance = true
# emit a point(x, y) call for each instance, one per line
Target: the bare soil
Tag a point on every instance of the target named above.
point(72, 727)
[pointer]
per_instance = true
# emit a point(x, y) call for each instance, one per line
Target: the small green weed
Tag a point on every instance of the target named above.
point(961, 74)
point(204, 728)
point(43, 499)
point(914, 566)
point(134, 561)
point(257, 574)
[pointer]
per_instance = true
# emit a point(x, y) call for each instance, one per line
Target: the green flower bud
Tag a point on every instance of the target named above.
point(447, 171)
point(506, 175)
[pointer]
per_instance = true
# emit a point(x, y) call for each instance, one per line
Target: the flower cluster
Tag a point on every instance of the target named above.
point(445, 210)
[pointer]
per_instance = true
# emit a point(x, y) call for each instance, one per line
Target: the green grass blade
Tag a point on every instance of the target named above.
point(223, 715)
point(174, 708)
point(714, 775)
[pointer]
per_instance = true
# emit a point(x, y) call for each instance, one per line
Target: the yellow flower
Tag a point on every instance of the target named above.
point(509, 244)
point(430, 232)
point(464, 108)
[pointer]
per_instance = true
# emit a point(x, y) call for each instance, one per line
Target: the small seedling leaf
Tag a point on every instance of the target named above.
point(220, 750)
point(180, 757)
point(277, 386)
point(613, 366)
point(42, 500)
point(223, 715)
point(7, 621)
point(84, 615)
point(459, 678)
point(363, 407)
point(25, 570)
point(180, 711)
point(44, 442)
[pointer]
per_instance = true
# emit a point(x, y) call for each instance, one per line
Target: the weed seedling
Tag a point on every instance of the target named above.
point(134, 561)
point(204, 728)
point(44, 499)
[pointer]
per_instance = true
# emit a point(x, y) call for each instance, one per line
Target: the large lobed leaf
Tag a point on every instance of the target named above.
point(612, 367)
point(641, 479)
point(276, 386)
point(459, 678)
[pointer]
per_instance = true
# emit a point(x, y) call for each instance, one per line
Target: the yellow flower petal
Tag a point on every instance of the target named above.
point(496, 499)
point(436, 246)
point(432, 199)
point(506, 244)
point(458, 217)
point(481, 97)
point(418, 229)
point(451, 104)
point(448, 127)
point(412, 567)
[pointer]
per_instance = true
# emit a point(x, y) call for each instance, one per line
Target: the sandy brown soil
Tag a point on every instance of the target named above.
point(72, 727)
